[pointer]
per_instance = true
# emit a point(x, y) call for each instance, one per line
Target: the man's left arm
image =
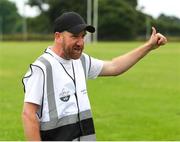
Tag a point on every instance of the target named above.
point(122, 63)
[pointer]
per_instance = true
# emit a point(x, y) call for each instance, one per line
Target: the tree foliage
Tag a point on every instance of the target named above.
point(9, 18)
point(117, 20)
point(132, 3)
point(169, 25)
point(56, 8)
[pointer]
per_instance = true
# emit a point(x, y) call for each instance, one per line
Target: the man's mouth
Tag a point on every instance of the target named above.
point(77, 49)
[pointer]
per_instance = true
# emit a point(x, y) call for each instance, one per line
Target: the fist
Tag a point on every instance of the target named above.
point(156, 39)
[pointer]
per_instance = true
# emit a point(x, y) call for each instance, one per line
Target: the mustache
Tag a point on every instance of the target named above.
point(78, 47)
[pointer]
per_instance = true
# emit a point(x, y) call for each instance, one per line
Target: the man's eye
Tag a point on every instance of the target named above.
point(74, 36)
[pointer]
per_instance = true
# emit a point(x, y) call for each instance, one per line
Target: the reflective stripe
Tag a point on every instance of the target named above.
point(50, 89)
point(70, 119)
point(86, 138)
point(83, 61)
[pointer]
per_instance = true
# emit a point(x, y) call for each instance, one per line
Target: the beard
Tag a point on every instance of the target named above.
point(72, 52)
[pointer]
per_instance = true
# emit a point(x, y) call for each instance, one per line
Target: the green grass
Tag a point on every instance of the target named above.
point(141, 104)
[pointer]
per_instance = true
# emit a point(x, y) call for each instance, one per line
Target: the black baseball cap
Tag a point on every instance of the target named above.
point(71, 22)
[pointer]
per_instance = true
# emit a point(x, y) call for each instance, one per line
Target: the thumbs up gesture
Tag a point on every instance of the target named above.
point(156, 39)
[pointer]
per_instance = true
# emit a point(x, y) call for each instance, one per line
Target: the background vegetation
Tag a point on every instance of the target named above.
point(118, 19)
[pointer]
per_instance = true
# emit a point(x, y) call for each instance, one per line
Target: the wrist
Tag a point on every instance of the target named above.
point(149, 46)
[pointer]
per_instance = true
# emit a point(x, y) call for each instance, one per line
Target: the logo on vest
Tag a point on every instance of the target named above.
point(64, 95)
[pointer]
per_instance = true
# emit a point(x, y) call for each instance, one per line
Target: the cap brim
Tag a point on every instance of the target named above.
point(79, 28)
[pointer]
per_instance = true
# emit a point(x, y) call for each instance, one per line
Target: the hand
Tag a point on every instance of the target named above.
point(156, 39)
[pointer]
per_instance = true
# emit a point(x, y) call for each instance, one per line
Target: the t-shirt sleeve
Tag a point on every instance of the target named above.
point(33, 85)
point(95, 67)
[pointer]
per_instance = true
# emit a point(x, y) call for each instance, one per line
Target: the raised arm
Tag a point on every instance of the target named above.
point(30, 122)
point(122, 63)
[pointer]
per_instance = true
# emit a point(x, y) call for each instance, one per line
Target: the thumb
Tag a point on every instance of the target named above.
point(153, 31)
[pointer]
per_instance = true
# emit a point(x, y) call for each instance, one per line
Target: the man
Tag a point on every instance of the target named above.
point(56, 105)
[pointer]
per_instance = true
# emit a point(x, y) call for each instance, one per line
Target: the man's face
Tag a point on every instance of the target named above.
point(72, 45)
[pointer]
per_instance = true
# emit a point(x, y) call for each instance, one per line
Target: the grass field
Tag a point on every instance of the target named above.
point(142, 104)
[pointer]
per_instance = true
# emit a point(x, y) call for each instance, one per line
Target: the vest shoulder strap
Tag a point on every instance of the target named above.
point(83, 61)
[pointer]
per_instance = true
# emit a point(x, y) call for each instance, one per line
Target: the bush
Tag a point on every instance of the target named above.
point(29, 37)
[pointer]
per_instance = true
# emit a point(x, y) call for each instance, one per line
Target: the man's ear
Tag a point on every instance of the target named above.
point(58, 36)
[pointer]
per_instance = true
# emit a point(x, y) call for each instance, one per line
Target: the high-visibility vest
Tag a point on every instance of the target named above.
point(65, 112)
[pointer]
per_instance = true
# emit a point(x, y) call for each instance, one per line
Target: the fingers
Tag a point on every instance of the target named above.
point(161, 39)
point(153, 31)
point(160, 42)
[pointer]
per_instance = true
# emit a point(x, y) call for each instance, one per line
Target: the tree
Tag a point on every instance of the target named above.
point(133, 3)
point(117, 20)
point(9, 18)
point(56, 8)
point(168, 24)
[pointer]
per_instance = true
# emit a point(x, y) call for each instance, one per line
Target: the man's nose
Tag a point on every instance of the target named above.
point(80, 42)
